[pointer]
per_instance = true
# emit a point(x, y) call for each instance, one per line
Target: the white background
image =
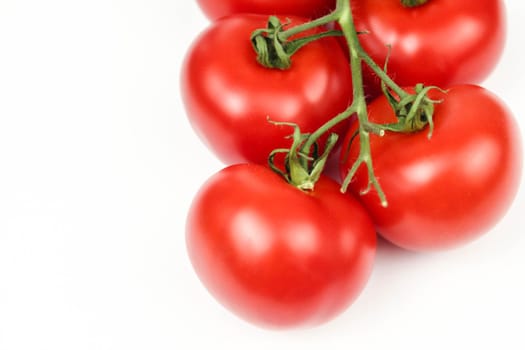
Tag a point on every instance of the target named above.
point(98, 165)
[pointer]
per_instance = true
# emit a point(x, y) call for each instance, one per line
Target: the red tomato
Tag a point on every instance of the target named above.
point(229, 96)
point(215, 9)
point(443, 43)
point(450, 189)
point(275, 255)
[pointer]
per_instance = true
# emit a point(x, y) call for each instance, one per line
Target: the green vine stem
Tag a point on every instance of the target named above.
point(303, 165)
point(346, 23)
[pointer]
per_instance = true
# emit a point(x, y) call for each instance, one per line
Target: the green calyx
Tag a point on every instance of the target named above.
point(271, 50)
point(302, 167)
point(414, 111)
point(273, 47)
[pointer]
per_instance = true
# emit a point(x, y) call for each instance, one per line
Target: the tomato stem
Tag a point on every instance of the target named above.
point(321, 21)
point(381, 73)
point(358, 107)
point(303, 166)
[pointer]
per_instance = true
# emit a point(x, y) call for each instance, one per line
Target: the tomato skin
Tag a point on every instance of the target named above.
point(274, 255)
point(448, 190)
point(229, 96)
point(214, 9)
point(443, 43)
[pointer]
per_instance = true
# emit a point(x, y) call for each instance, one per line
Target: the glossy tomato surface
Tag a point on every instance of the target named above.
point(215, 9)
point(448, 190)
point(229, 97)
point(277, 256)
point(443, 42)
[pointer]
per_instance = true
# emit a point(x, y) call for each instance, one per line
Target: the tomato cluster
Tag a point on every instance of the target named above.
point(282, 254)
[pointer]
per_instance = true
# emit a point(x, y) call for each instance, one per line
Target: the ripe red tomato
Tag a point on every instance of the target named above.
point(443, 42)
point(450, 189)
point(277, 256)
point(229, 96)
point(306, 8)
